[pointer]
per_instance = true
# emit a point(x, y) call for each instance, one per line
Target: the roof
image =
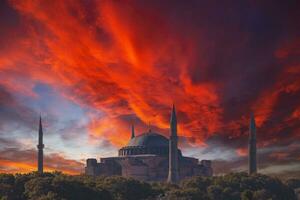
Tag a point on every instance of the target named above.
point(149, 139)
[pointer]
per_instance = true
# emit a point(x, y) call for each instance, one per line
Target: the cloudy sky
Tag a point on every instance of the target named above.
point(92, 68)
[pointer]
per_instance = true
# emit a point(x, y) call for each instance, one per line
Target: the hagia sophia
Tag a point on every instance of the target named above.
point(151, 157)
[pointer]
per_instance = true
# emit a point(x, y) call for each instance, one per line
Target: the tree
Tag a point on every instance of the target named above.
point(7, 182)
point(262, 195)
point(234, 186)
point(246, 195)
point(215, 192)
point(68, 187)
point(127, 188)
point(38, 187)
point(199, 182)
point(293, 183)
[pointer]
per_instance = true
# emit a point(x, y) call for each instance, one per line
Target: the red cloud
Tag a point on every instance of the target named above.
point(242, 151)
point(23, 161)
point(123, 58)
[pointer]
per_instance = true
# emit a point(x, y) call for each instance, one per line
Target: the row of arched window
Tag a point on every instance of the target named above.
point(141, 150)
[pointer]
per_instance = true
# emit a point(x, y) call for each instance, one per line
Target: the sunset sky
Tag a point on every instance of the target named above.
point(92, 68)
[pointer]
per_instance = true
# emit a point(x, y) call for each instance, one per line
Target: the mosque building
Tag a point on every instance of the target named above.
point(151, 157)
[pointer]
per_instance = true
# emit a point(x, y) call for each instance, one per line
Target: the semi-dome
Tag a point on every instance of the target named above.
point(149, 140)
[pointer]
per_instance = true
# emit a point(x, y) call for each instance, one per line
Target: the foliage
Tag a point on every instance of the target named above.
point(58, 186)
point(126, 188)
point(293, 183)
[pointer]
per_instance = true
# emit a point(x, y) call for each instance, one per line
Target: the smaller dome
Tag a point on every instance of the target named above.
point(149, 139)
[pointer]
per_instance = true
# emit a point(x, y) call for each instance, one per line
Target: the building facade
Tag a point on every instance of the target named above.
point(151, 157)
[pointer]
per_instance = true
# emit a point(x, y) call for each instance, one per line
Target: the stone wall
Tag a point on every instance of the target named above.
point(147, 167)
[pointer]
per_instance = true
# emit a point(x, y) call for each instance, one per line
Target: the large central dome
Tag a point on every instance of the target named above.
point(149, 139)
point(146, 143)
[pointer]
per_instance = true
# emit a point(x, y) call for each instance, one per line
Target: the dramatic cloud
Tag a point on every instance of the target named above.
point(15, 161)
point(124, 62)
point(282, 161)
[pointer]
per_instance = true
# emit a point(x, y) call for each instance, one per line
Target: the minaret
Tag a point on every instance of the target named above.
point(132, 131)
point(252, 146)
point(149, 129)
point(173, 176)
point(40, 147)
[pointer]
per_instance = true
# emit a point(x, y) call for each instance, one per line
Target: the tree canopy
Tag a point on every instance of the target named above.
point(58, 186)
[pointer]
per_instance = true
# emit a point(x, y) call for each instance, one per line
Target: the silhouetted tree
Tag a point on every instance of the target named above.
point(246, 195)
point(58, 186)
point(293, 183)
point(126, 188)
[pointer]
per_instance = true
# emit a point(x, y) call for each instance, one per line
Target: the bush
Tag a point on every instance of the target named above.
point(126, 188)
point(293, 183)
point(187, 194)
point(7, 182)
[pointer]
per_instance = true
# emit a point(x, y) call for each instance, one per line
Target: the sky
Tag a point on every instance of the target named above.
point(93, 68)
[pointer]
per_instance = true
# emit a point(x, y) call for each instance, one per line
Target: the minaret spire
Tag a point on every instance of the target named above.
point(132, 131)
point(173, 121)
point(40, 147)
point(149, 127)
point(252, 146)
point(173, 176)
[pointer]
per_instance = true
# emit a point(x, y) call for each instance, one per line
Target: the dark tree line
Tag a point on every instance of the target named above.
point(58, 186)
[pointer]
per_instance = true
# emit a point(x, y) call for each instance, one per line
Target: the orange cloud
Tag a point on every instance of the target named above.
point(120, 77)
point(8, 166)
point(124, 59)
point(242, 151)
point(25, 161)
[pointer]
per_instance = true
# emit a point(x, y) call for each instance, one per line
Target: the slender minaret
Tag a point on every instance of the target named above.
point(40, 147)
point(149, 129)
point(252, 146)
point(173, 176)
point(132, 131)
